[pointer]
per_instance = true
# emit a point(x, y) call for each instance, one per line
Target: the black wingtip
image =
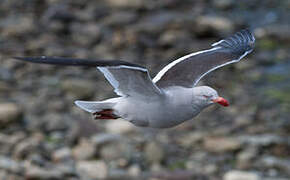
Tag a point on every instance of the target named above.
point(240, 42)
point(76, 62)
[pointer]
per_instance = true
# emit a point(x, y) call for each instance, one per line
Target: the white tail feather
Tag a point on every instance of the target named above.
point(94, 106)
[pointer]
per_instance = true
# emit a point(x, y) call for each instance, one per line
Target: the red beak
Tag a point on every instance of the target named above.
point(221, 101)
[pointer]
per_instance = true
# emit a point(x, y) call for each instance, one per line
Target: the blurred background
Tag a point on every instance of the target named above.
point(45, 136)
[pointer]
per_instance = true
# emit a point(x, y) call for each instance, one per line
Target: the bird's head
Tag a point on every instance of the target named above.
point(205, 96)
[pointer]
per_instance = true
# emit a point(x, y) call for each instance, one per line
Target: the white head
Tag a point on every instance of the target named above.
point(204, 96)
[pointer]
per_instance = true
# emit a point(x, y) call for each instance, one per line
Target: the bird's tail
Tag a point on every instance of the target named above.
point(100, 109)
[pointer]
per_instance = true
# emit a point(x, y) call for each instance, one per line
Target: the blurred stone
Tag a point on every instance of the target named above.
point(62, 154)
point(4, 87)
point(190, 139)
point(119, 127)
point(9, 113)
point(34, 172)
point(17, 25)
point(115, 150)
point(275, 162)
point(104, 138)
point(240, 175)
point(92, 169)
point(213, 24)
point(79, 88)
point(223, 4)
point(84, 150)
point(118, 174)
point(120, 18)
point(85, 34)
point(245, 157)
point(221, 144)
point(7, 142)
point(27, 146)
point(10, 165)
point(279, 31)
point(54, 122)
point(154, 153)
point(134, 171)
point(3, 174)
point(261, 140)
point(125, 3)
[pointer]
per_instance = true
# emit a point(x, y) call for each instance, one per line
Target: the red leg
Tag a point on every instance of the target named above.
point(105, 114)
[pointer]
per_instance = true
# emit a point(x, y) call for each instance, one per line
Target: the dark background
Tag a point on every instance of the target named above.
point(45, 136)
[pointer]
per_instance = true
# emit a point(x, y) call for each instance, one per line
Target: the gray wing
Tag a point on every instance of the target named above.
point(131, 81)
point(188, 70)
point(128, 79)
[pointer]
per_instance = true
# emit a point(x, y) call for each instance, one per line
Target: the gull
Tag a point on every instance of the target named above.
point(171, 97)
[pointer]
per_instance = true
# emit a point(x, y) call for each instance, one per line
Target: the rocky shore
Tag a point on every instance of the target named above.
point(45, 136)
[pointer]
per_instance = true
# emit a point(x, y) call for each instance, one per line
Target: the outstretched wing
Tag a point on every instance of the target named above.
point(188, 70)
point(128, 79)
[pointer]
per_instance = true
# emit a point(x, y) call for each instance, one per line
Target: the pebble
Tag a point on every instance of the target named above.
point(245, 157)
point(62, 154)
point(9, 113)
point(221, 144)
point(240, 175)
point(34, 172)
point(119, 127)
point(92, 169)
point(154, 153)
point(223, 4)
point(78, 88)
point(213, 24)
point(125, 3)
point(10, 165)
point(84, 150)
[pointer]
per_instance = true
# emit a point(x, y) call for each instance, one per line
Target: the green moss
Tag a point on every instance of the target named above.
point(177, 165)
point(279, 94)
point(276, 78)
point(267, 44)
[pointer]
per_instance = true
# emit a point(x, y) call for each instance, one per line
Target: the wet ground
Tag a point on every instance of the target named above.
point(45, 136)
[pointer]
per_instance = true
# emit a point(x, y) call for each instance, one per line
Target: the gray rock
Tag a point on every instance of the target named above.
point(119, 127)
point(104, 138)
point(190, 139)
point(85, 34)
point(62, 154)
point(17, 25)
point(120, 18)
point(245, 157)
point(11, 165)
point(118, 174)
point(154, 153)
point(275, 162)
point(27, 146)
point(3, 174)
point(221, 144)
point(9, 113)
point(213, 24)
point(84, 150)
point(134, 171)
point(223, 4)
point(78, 88)
point(34, 172)
point(126, 3)
point(241, 175)
point(262, 140)
point(116, 150)
point(92, 169)
point(112, 146)
point(7, 142)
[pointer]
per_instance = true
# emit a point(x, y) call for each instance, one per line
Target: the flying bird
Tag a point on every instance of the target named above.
point(172, 96)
